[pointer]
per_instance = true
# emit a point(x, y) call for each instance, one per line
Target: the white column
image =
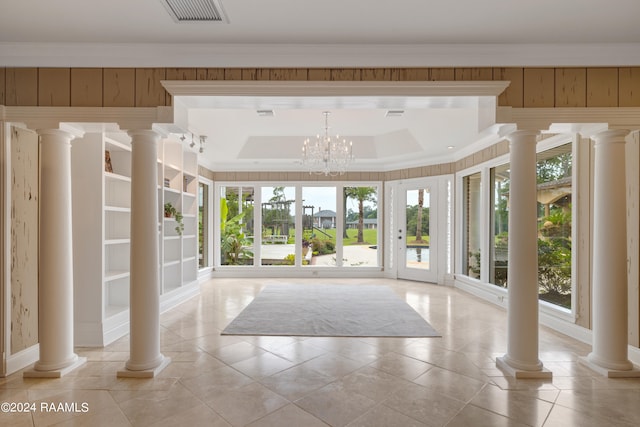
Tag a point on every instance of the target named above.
point(55, 287)
point(609, 294)
point(145, 359)
point(521, 360)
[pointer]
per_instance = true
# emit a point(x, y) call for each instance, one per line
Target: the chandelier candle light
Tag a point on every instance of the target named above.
point(326, 155)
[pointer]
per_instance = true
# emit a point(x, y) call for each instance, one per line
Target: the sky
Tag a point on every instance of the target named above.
point(320, 197)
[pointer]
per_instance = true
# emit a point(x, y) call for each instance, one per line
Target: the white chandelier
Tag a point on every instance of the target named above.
point(326, 155)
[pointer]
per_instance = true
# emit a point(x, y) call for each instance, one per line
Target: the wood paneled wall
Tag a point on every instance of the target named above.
point(140, 87)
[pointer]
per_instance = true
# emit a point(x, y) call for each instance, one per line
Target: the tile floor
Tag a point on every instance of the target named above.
point(216, 380)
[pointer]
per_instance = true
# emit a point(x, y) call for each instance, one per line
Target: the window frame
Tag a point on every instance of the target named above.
point(209, 228)
point(257, 269)
point(481, 287)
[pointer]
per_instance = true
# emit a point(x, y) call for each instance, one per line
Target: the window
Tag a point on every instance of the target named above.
point(298, 225)
point(554, 182)
point(278, 225)
point(498, 264)
point(472, 191)
point(319, 226)
point(203, 225)
point(236, 226)
point(360, 235)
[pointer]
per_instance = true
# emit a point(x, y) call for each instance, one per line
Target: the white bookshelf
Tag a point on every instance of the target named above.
point(101, 228)
point(178, 166)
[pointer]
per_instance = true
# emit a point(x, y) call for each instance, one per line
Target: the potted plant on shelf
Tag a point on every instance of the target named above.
point(171, 212)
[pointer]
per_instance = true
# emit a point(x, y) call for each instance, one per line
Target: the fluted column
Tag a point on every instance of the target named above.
point(609, 299)
point(55, 287)
point(145, 359)
point(521, 359)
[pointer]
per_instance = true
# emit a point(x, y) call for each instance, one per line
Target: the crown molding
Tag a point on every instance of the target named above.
point(87, 118)
point(543, 118)
point(21, 54)
point(185, 88)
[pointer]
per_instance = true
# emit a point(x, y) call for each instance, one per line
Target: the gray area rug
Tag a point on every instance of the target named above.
point(329, 310)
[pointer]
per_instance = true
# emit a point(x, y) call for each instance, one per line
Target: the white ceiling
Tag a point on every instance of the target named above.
point(323, 33)
point(328, 33)
point(327, 21)
point(240, 139)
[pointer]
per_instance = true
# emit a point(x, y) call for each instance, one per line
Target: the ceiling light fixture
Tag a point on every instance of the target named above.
point(326, 155)
point(203, 140)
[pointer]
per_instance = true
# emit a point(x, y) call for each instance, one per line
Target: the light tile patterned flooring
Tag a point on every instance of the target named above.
point(216, 380)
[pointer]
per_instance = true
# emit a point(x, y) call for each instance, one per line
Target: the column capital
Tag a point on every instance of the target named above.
point(149, 135)
point(523, 135)
point(56, 133)
point(611, 135)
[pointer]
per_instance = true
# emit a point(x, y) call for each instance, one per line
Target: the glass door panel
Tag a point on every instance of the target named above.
point(416, 240)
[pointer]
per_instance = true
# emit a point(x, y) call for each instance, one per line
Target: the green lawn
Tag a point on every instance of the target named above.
point(370, 236)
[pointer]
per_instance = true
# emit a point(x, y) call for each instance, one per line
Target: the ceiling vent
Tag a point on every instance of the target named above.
point(196, 10)
point(265, 113)
point(394, 113)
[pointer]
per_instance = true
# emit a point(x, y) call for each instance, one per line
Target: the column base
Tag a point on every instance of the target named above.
point(55, 373)
point(543, 374)
point(147, 373)
point(608, 372)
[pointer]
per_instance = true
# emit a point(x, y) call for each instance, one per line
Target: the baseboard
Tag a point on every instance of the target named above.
point(205, 274)
point(562, 325)
point(22, 359)
point(180, 295)
point(565, 327)
point(634, 355)
point(116, 327)
point(449, 280)
point(301, 273)
point(87, 334)
point(495, 296)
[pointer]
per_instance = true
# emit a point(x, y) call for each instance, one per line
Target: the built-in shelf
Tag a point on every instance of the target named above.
point(173, 167)
point(171, 190)
point(116, 274)
point(102, 230)
point(117, 209)
point(117, 241)
point(115, 144)
point(112, 310)
point(116, 177)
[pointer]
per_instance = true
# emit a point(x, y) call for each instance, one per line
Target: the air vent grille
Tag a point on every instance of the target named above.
point(195, 10)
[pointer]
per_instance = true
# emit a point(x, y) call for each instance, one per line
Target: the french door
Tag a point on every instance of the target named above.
point(421, 229)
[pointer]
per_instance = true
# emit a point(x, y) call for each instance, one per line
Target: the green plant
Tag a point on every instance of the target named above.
point(171, 212)
point(233, 240)
point(554, 265)
point(322, 247)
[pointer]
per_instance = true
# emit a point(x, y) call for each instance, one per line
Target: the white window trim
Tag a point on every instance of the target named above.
point(482, 288)
point(205, 271)
point(298, 270)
